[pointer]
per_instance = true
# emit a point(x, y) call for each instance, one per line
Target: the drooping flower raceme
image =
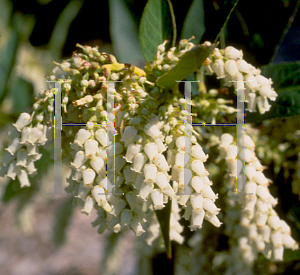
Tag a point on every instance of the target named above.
point(130, 159)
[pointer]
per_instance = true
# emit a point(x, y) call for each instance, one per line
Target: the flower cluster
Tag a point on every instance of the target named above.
point(228, 64)
point(265, 231)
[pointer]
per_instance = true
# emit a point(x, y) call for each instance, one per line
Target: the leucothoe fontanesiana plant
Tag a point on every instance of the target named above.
point(153, 171)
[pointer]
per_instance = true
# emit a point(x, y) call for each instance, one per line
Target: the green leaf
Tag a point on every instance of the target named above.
point(290, 255)
point(194, 23)
point(63, 217)
point(286, 82)
point(286, 104)
point(124, 34)
point(12, 190)
point(189, 62)
point(283, 74)
point(163, 217)
point(155, 27)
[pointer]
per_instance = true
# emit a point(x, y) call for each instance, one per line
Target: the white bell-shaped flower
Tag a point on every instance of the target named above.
point(226, 140)
point(209, 205)
point(98, 165)
point(34, 135)
point(88, 176)
point(23, 120)
point(118, 207)
point(197, 152)
point(284, 227)
point(168, 191)
point(250, 202)
point(198, 168)
point(276, 239)
point(90, 147)
point(197, 219)
point(160, 161)
point(81, 137)
point(250, 187)
point(260, 218)
point(23, 178)
point(160, 145)
point(231, 68)
point(126, 216)
point(22, 157)
point(184, 177)
point(181, 159)
point(244, 67)
point(261, 179)
point(252, 103)
point(43, 138)
point(248, 142)
point(198, 184)
point(79, 159)
point(233, 53)
point(138, 162)
point(14, 146)
point(129, 135)
point(265, 231)
point(136, 226)
point(150, 171)
point(231, 152)
point(88, 205)
point(250, 172)
point(289, 242)
point(171, 153)
point(152, 130)
point(274, 222)
point(263, 192)
point(99, 195)
point(197, 202)
point(132, 150)
point(158, 199)
point(145, 190)
point(213, 220)
point(101, 136)
point(32, 149)
point(251, 82)
point(30, 166)
point(151, 150)
point(82, 191)
point(278, 253)
point(161, 180)
point(25, 134)
point(207, 192)
point(263, 81)
point(260, 104)
point(185, 196)
point(13, 170)
point(218, 68)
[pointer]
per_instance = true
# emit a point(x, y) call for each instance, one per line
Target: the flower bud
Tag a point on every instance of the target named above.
point(197, 152)
point(218, 68)
point(231, 68)
point(197, 220)
point(197, 203)
point(152, 130)
point(98, 165)
point(233, 53)
point(209, 205)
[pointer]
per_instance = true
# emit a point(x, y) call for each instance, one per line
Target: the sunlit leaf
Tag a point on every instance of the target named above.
point(189, 62)
point(155, 27)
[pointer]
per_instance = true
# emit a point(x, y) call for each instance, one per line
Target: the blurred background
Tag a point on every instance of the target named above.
point(43, 234)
